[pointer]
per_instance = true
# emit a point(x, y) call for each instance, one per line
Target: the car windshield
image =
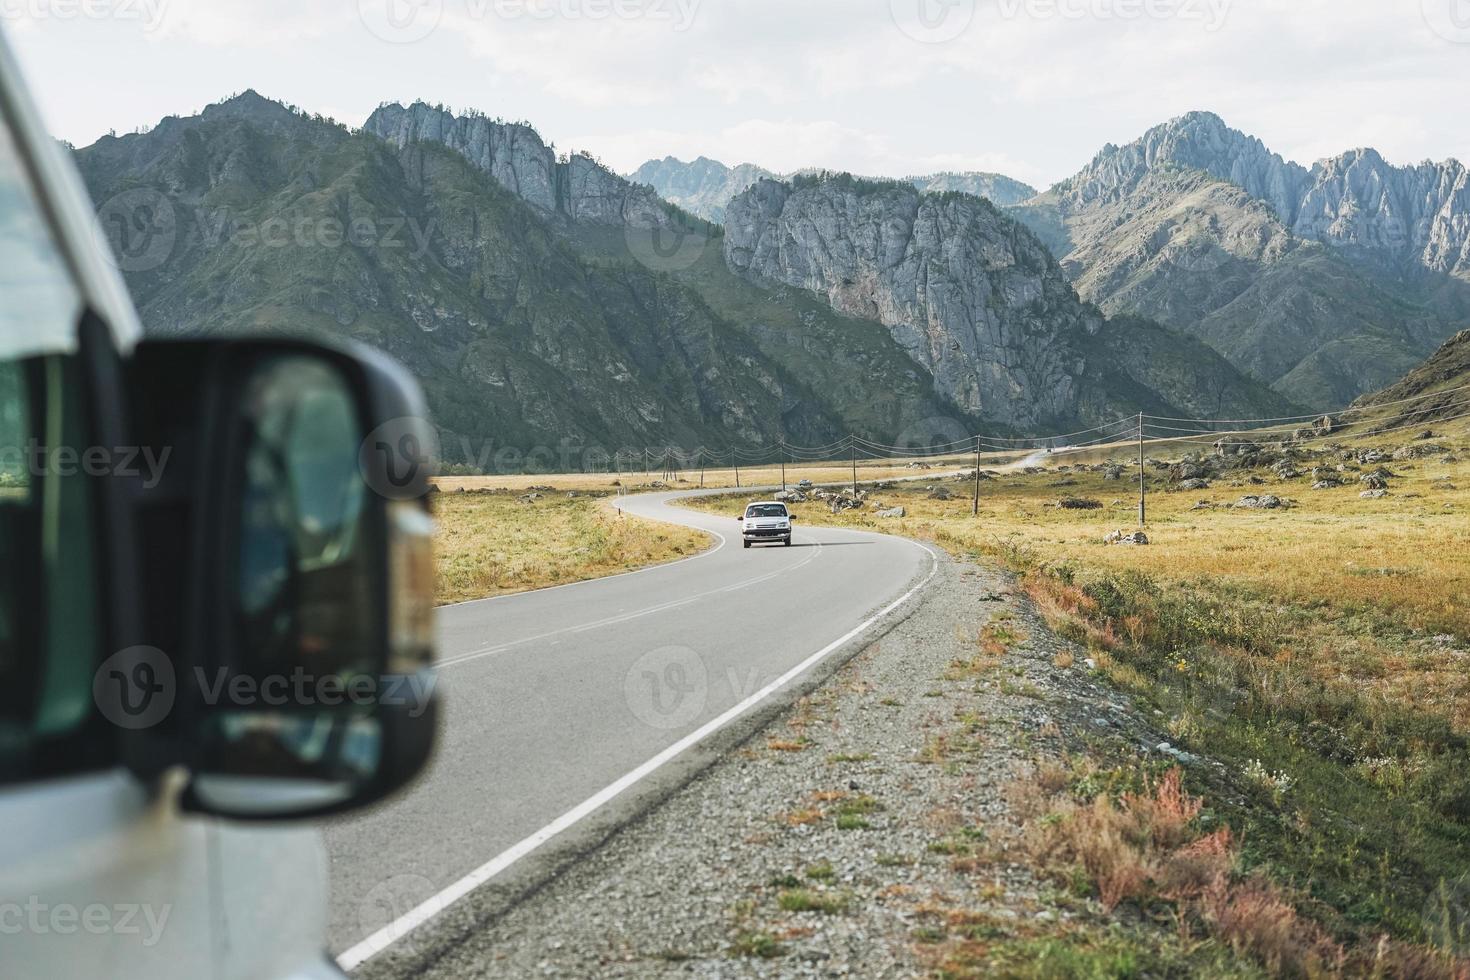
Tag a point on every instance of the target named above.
point(766, 510)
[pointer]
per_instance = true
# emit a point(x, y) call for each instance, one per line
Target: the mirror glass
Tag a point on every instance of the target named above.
point(292, 721)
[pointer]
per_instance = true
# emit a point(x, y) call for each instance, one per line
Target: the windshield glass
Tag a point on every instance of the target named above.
point(766, 510)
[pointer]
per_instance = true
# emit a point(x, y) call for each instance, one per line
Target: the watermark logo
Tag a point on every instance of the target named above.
point(312, 231)
point(1211, 14)
point(385, 905)
point(149, 13)
point(1450, 19)
point(138, 229)
point(667, 688)
point(932, 21)
point(398, 457)
point(39, 460)
point(663, 246)
point(65, 919)
point(135, 688)
point(401, 21)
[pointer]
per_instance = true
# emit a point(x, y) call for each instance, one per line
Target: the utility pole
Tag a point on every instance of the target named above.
point(852, 445)
point(647, 462)
point(1142, 502)
point(975, 510)
point(701, 467)
point(735, 461)
point(783, 465)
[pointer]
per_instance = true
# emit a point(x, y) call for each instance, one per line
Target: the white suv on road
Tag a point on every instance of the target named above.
point(766, 520)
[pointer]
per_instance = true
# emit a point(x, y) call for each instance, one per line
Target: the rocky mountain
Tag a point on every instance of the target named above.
point(702, 187)
point(998, 188)
point(267, 220)
point(574, 187)
point(1436, 391)
point(1325, 283)
point(976, 299)
point(705, 187)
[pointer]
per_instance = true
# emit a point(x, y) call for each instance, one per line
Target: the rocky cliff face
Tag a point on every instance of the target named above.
point(702, 187)
point(969, 293)
point(705, 187)
point(1410, 217)
point(576, 188)
point(997, 188)
point(1309, 280)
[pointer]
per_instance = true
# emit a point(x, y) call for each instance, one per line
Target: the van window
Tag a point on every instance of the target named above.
point(48, 594)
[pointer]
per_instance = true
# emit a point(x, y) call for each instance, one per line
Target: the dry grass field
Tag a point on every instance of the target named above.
point(494, 543)
point(1316, 652)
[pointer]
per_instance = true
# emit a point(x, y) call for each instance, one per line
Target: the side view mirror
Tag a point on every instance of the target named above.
point(305, 583)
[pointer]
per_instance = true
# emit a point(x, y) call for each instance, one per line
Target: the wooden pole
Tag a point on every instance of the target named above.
point(783, 465)
point(852, 444)
point(1142, 499)
point(975, 510)
point(735, 461)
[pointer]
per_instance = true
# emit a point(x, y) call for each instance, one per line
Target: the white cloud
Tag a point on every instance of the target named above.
point(1026, 87)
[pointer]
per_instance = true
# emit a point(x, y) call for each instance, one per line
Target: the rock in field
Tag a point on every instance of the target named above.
point(1263, 502)
point(891, 512)
point(1121, 537)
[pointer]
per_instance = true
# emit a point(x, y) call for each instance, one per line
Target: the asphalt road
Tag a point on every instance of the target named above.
point(559, 703)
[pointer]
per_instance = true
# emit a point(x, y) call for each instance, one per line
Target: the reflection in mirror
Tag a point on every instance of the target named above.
point(292, 723)
point(281, 763)
point(305, 572)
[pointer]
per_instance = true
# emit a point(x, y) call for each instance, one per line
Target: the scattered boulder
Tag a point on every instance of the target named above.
point(1419, 451)
point(1123, 537)
point(1376, 480)
point(1373, 494)
point(1112, 472)
point(891, 512)
point(939, 493)
point(804, 485)
point(1203, 505)
point(1186, 471)
point(1197, 484)
point(527, 498)
point(1263, 502)
point(1324, 426)
point(918, 466)
point(1079, 503)
point(790, 497)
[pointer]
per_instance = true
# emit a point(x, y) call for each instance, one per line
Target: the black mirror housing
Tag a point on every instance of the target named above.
point(294, 596)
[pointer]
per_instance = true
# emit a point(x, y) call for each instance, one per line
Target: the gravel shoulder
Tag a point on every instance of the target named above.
point(831, 842)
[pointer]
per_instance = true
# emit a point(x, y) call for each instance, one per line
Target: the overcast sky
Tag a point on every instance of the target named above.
point(1031, 88)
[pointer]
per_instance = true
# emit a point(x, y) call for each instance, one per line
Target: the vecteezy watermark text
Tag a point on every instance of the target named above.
point(407, 21)
point(64, 919)
point(38, 460)
point(137, 689)
point(1211, 13)
point(149, 13)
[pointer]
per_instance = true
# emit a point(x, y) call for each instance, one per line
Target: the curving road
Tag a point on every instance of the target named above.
point(562, 705)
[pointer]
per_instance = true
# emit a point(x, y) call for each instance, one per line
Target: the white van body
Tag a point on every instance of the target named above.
point(100, 875)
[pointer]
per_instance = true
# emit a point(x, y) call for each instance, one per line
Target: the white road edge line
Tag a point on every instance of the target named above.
point(403, 925)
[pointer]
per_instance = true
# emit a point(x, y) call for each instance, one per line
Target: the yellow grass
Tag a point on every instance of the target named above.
point(838, 471)
point(494, 543)
point(1358, 573)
